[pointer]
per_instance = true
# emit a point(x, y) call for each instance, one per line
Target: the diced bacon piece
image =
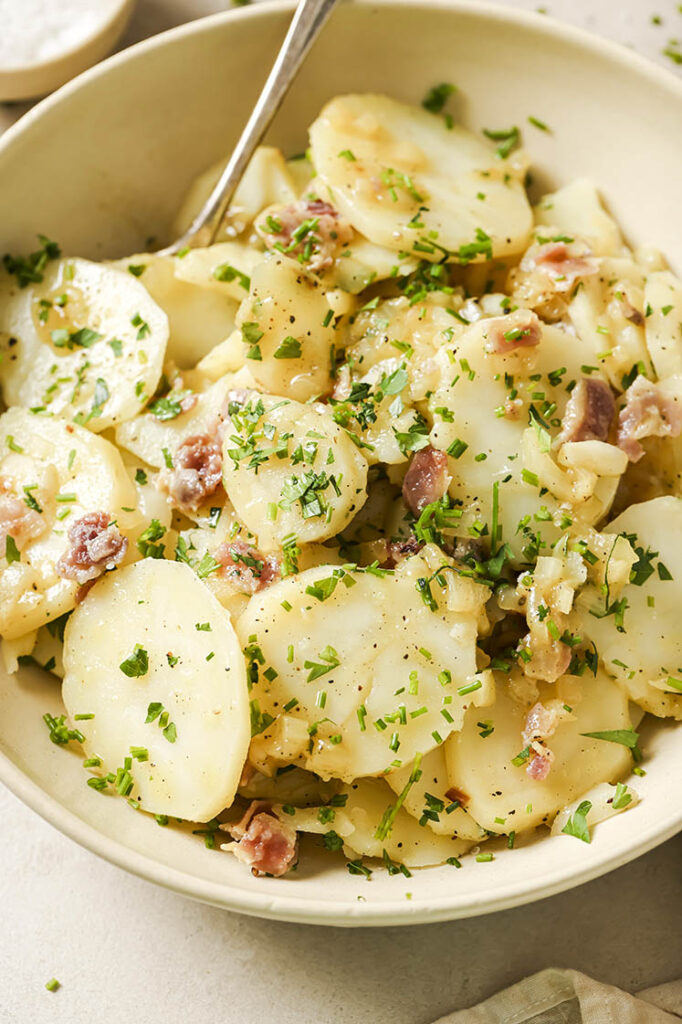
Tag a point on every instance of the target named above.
point(649, 411)
point(631, 313)
point(520, 329)
point(96, 545)
point(590, 411)
point(541, 724)
point(246, 567)
point(269, 846)
point(539, 766)
point(312, 230)
point(426, 479)
point(17, 520)
point(555, 260)
point(399, 550)
point(197, 471)
point(238, 829)
point(457, 796)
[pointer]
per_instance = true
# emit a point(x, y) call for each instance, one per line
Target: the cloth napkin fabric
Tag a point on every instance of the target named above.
point(569, 997)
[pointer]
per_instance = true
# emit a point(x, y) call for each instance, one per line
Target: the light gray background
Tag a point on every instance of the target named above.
point(126, 951)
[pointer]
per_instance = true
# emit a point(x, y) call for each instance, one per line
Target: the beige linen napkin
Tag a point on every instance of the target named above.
point(569, 997)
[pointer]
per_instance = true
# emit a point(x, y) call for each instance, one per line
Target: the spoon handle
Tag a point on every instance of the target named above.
point(304, 29)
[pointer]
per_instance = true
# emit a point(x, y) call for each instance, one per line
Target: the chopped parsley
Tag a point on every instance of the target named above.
point(136, 664)
point(577, 823)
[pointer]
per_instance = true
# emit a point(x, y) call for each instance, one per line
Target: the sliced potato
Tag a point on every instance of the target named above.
point(153, 613)
point(645, 655)
point(147, 435)
point(576, 209)
point(88, 342)
point(408, 167)
point(360, 819)
point(663, 297)
point(67, 472)
point(288, 469)
point(607, 313)
point(481, 416)
point(287, 330)
point(429, 798)
point(224, 268)
point(501, 795)
point(268, 179)
point(199, 316)
point(372, 672)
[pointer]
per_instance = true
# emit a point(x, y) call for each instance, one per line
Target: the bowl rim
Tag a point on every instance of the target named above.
point(287, 908)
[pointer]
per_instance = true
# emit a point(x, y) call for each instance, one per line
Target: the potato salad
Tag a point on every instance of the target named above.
point(364, 520)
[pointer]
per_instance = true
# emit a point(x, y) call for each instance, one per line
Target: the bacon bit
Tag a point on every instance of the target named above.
point(541, 724)
point(520, 329)
point(457, 796)
point(635, 316)
point(648, 412)
point(198, 465)
point(589, 412)
point(17, 521)
point(246, 567)
point(238, 829)
point(84, 590)
point(398, 550)
point(321, 245)
point(96, 544)
point(539, 766)
point(555, 260)
point(426, 479)
point(269, 846)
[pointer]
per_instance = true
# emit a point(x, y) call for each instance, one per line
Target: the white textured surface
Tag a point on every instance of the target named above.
point(127, 951)
point(34, 31)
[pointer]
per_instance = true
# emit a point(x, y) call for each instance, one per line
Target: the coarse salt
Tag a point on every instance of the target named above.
point(38, 31)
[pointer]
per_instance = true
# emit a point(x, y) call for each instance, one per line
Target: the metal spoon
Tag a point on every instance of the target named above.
point(305, 27)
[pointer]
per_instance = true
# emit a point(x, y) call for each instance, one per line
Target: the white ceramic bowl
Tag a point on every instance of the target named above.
point(103, 164)
point(99, 34)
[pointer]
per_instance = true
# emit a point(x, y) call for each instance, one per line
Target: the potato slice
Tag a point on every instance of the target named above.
point(88, 342)
point(645, 655)
point(576, 210)
point(146, 436)
point(481, 415)
point(199, 316)
point(431, 793)
point(663, 298)
point(408, 167)
point(67, 472)
point(288, 469)
point(287, 330)
point(224, 268)
point(359, 825)
point(120, 651)
point(268, 179)
point(501, 796)
point(373, 674)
